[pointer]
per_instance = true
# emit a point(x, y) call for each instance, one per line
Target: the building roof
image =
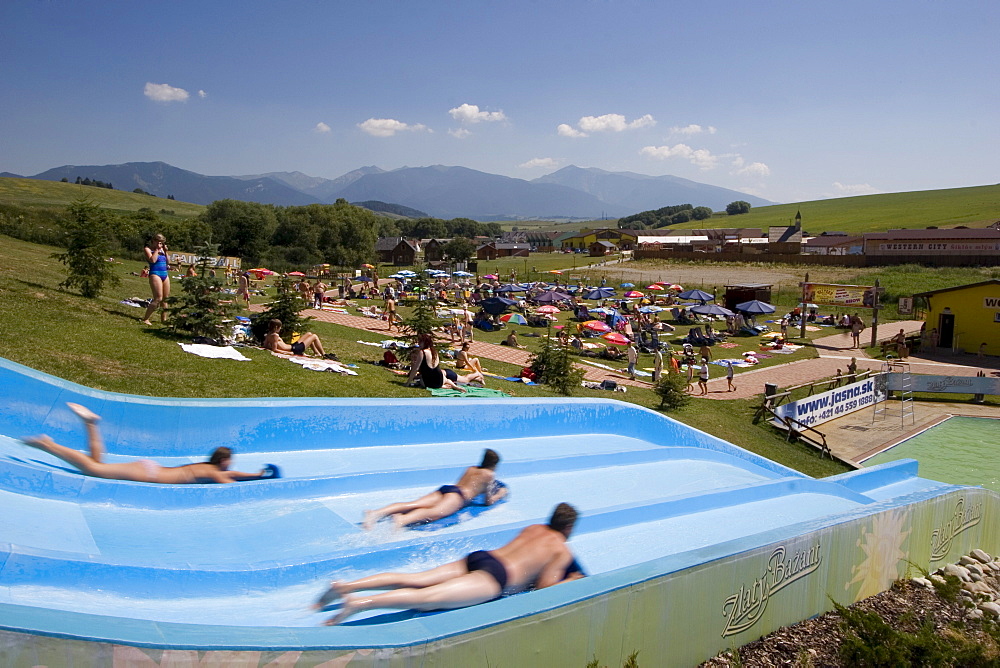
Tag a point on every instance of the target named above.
point(607, 244)
point(387, 243)
point(980, 233)
point(671, 239)
point(784, 234)
point(929, 293)
point(827, 241)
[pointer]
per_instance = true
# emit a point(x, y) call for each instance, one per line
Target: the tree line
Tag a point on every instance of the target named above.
point(668, 215)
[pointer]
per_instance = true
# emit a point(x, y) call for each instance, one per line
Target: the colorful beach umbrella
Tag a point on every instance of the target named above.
point(549, 309)
point(654, 286)
point(596, 326)
point(367, 266)
point(676, 287)
point(634, 294)
point(627, 285)
point(295, 273)
point(616, 338)
point(492, 277)
point(514, 319)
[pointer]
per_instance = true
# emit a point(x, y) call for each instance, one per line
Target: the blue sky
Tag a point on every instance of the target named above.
point(789, 101)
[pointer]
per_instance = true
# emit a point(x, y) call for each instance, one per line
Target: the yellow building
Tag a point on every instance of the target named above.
point(965, 316)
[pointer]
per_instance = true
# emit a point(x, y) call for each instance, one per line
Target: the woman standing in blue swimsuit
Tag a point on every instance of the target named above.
point(159, 279)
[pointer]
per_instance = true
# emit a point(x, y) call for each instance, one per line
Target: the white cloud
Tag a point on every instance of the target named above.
point(470, 113)
point(846, 190)
point(322, 128)
point(387, 127)
point(614, 123)
point(202, 94)
point(605, 123)
point(692, 129)
point(534, 163)
point(565, 130)
point(753, 169)
point(702, 158)
point(459, 133)
point(165, 93)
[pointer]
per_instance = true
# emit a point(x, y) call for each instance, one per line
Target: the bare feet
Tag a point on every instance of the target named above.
point(371, 517)
point(147, 322)
point(329, 596)
point(84, 413)
point(348, 608)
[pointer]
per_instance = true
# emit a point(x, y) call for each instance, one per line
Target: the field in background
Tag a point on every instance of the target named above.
point(974, 207)
point(38, 194)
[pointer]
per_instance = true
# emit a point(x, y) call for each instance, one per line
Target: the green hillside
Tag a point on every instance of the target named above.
point(974, 207)
point(38, 194)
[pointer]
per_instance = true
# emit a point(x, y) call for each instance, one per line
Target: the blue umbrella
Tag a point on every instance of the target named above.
point(551, 297)
point(510, 288)
point(700, 295)
point(627, 285)
point(651, 309)
point(462, 274)
point(755, 306)
point(711, 309)
point(601, 293)
point(497, 305)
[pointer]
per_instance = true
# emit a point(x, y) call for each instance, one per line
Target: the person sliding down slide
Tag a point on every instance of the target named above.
point(447, 499)
point(537, 558)
point(216, 469)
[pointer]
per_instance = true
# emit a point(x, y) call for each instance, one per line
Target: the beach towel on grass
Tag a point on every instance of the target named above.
point(469, 392)
point(214, 352)
point(316, 364)
point(513, 379)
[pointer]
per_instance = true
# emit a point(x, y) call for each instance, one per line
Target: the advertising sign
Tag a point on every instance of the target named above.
point(944, 384)
point(846, 296)
point(826, 406)
point(182, 258)
point(905, 306)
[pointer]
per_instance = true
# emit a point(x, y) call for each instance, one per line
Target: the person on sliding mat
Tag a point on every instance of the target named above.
point(216, 469)
point(537, 558)
point(447, 499)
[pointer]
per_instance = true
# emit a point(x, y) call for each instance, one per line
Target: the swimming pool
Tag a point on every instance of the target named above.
point(692, 544)
point(960, 450)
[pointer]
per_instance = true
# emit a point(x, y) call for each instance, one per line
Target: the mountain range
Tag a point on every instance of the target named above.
point(441, 191)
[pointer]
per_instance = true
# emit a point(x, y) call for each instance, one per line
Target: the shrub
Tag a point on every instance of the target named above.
point(672, 390)
point(286, 307)
point(554, 367)
point(87, 249)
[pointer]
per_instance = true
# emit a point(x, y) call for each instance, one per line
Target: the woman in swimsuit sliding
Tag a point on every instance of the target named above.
point(159, 279)
point(143, 470)
point(447, 499)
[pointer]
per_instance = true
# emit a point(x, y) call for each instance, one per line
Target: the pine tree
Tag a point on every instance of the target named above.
point(286, 307)
point(88, 231)
point(553, 366)
point(200, 309)
point(423, 319)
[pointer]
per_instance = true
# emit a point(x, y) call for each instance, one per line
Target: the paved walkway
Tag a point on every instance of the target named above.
point(835, 352)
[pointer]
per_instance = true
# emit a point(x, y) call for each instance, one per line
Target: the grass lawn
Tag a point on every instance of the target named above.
point(100, 343)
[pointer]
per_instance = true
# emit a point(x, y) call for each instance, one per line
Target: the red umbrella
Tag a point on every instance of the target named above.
point(492, 277)
point(662, 282)
point(548, 308)
point(634, 294)
point(596, 326)
point(295, 273)
point(616, 338)
point(676, 287)
point(654, 286)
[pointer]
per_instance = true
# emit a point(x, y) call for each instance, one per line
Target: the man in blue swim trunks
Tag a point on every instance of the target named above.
point(537, 558)
point(447, 499)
